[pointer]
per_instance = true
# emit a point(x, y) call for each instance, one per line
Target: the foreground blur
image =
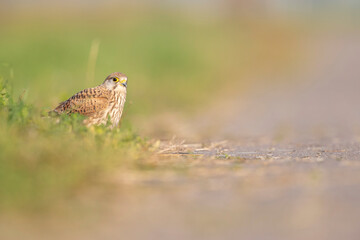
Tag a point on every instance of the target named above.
point(264, 94)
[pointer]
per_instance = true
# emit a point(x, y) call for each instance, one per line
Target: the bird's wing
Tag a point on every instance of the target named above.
point(86, 102)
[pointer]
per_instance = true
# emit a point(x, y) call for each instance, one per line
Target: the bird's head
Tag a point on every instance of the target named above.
point(116, 81)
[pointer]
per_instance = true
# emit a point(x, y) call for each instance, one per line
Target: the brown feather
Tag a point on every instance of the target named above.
point(86, 102)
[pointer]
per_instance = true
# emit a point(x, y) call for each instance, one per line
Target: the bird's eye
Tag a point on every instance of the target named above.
point(115, 79)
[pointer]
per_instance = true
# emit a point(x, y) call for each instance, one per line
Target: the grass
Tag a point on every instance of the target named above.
point(43, 162)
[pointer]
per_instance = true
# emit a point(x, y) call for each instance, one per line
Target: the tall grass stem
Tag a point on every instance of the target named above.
point(94, 50)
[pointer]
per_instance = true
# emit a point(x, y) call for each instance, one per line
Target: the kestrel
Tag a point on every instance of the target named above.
point(99, 104)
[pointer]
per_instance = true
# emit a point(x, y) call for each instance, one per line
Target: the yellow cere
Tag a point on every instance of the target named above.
point(123, 80)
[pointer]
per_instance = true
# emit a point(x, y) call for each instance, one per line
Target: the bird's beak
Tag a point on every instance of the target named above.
point(124, 84)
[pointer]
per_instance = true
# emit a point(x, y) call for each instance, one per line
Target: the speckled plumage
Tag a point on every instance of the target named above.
point(100, 103)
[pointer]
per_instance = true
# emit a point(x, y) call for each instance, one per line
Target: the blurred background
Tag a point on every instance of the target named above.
point(187, 61)
point(280, 70)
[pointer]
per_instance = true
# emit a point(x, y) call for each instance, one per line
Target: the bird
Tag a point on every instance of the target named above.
point(100, 104)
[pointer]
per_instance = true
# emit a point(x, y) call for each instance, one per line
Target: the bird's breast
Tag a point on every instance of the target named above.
point(116, 107)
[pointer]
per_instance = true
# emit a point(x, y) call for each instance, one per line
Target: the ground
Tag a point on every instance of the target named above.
point(282, 164)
